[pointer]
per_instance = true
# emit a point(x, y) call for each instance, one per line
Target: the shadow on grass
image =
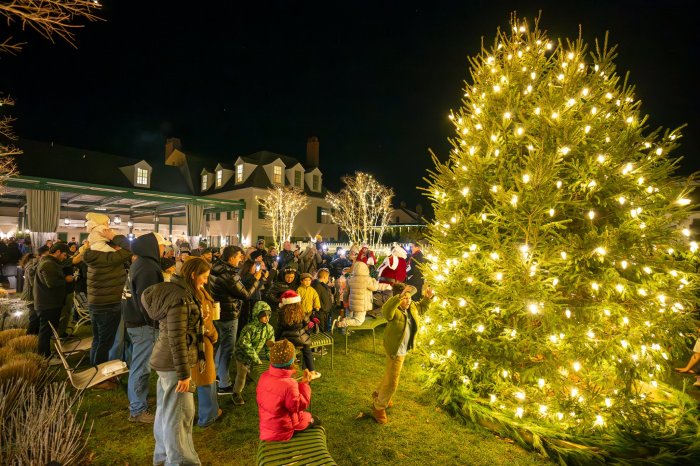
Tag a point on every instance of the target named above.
point(417, 434)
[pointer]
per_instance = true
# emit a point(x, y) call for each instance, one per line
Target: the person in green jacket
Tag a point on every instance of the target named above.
point(403, 316)
point(251, 342)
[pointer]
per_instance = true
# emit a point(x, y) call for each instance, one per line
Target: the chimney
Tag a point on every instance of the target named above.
point(171, 145)
point(312, 152)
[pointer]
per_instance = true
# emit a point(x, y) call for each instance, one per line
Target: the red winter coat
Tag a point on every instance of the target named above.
point(399, 272)
point(281, 404)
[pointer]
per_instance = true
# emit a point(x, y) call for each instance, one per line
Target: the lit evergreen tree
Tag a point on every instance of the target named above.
point(559, 300)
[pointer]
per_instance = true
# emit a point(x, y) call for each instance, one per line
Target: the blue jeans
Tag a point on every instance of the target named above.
point(142, 340)
point(172, 428)
point(208, 404)
point(224, 349)
point(105, 323)
point(121, 348)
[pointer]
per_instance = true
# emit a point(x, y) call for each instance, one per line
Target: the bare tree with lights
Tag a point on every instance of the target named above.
point(51, 19)
point(561, 294)
point(282, 205)
point(362, 208)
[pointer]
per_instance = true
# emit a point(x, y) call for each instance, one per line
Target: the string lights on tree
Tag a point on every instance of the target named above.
point(362, 208)
point(282, 205)
point(560, 297)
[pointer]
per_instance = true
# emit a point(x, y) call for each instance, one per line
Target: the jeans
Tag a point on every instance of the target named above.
point(121, 348)
point(208, 404)
point(172, 428)
point(142, 340)
point(224, 349)
point(105, 323)
point(47, 316)
point(387, 387)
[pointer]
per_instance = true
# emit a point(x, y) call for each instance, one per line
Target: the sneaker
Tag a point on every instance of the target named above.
point(238, 399)
point(314, 375)
point(224, 391)
point(144, 416)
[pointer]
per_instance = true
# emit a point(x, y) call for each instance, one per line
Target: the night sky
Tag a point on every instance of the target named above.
point(373, 80)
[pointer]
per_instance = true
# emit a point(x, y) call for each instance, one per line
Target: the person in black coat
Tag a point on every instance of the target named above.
point(325, 295)
point(226, 287)
point(415, 275)
point(293, 325)
point(142, 330)
point(50, 294)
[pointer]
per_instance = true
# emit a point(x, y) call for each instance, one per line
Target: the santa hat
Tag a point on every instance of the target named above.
point(289, 297)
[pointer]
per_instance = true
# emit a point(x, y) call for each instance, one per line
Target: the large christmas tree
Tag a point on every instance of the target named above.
point(561, 294)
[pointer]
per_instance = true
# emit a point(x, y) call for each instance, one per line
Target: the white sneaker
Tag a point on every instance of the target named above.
point(314, 375)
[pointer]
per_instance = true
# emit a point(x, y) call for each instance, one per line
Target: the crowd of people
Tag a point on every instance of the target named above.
point(192, 314)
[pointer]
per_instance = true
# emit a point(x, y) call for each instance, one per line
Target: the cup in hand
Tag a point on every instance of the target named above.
point(216, 311)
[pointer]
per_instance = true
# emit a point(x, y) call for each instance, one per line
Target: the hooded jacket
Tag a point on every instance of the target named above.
point(179, 317)
point(106, 273)
point(281, 404)
point(251, 341)
point(396, 322)
point(49, 284)
point(144, 272)
point(226, 287)
point(361, 286)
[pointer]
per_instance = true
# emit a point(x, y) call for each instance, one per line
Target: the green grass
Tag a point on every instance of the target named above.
point(418, 433)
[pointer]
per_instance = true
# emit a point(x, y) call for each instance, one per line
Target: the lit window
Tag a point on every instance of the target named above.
point(204, 182)
point(314, 185)
point(219, 177)
point(323, 216)
point(297, 178)
point(239, 173)
point(142, 176)
point(277, 175)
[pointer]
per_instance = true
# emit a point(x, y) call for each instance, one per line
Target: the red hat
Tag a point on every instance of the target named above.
point(289, 297)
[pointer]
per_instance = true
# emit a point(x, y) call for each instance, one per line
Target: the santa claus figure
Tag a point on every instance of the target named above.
point(393, 269)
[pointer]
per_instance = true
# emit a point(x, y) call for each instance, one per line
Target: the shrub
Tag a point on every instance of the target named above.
point(19, 369)
point(10, 334)
point(6, 354)
point(40, 426)
point(24, 344)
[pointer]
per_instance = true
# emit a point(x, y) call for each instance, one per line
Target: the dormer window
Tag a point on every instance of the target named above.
point(277, 175)
point(297, 178)
point(205, 178)
point(219, 177)
point(141, 176)
point(239, 173)
point(315, 183)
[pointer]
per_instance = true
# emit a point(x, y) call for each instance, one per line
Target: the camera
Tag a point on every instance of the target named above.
point(257, 267)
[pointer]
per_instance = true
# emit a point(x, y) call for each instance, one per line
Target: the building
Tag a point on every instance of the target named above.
point(183, 195)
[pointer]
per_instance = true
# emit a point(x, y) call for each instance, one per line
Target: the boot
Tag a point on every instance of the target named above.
point(379, 415)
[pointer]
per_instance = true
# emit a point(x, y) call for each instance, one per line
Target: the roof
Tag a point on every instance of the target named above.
point(49, 160)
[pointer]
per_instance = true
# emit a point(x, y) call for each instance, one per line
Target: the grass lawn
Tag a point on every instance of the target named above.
point(417, 433)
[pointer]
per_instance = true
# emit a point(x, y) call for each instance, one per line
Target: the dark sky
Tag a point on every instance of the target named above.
point(373, 80)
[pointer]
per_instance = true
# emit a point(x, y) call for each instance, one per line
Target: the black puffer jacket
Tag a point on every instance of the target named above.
point(176, 346)
point(106, 273)
point(296, 333)
point(144, 272)
point(226, 287)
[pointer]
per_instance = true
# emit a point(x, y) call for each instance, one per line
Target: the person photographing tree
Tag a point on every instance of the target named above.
point(403, 316)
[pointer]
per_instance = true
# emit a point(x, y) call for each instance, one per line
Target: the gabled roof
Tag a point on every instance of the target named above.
point(265, 157)
point(413, 215)
point(48, 160)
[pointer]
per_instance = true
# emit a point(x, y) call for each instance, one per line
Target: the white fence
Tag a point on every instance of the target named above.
point(383, 249)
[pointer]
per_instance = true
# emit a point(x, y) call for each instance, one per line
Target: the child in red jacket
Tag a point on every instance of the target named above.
point(282, 401)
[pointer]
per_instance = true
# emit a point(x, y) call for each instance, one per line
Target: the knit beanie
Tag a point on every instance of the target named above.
point(289, 297)
point(282, 354)
point(260, 308)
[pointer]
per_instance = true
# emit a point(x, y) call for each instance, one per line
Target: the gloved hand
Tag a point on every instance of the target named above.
point(315, 320)
point(311, 325)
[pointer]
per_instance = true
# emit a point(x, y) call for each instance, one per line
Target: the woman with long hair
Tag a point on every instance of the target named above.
point(177, 305)
point(292, 325)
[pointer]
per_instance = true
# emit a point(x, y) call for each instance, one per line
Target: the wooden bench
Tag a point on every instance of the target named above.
point(305, 448)
point(369, 324)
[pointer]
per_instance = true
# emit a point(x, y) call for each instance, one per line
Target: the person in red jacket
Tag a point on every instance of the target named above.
point(282, 401)
point(393, 269)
